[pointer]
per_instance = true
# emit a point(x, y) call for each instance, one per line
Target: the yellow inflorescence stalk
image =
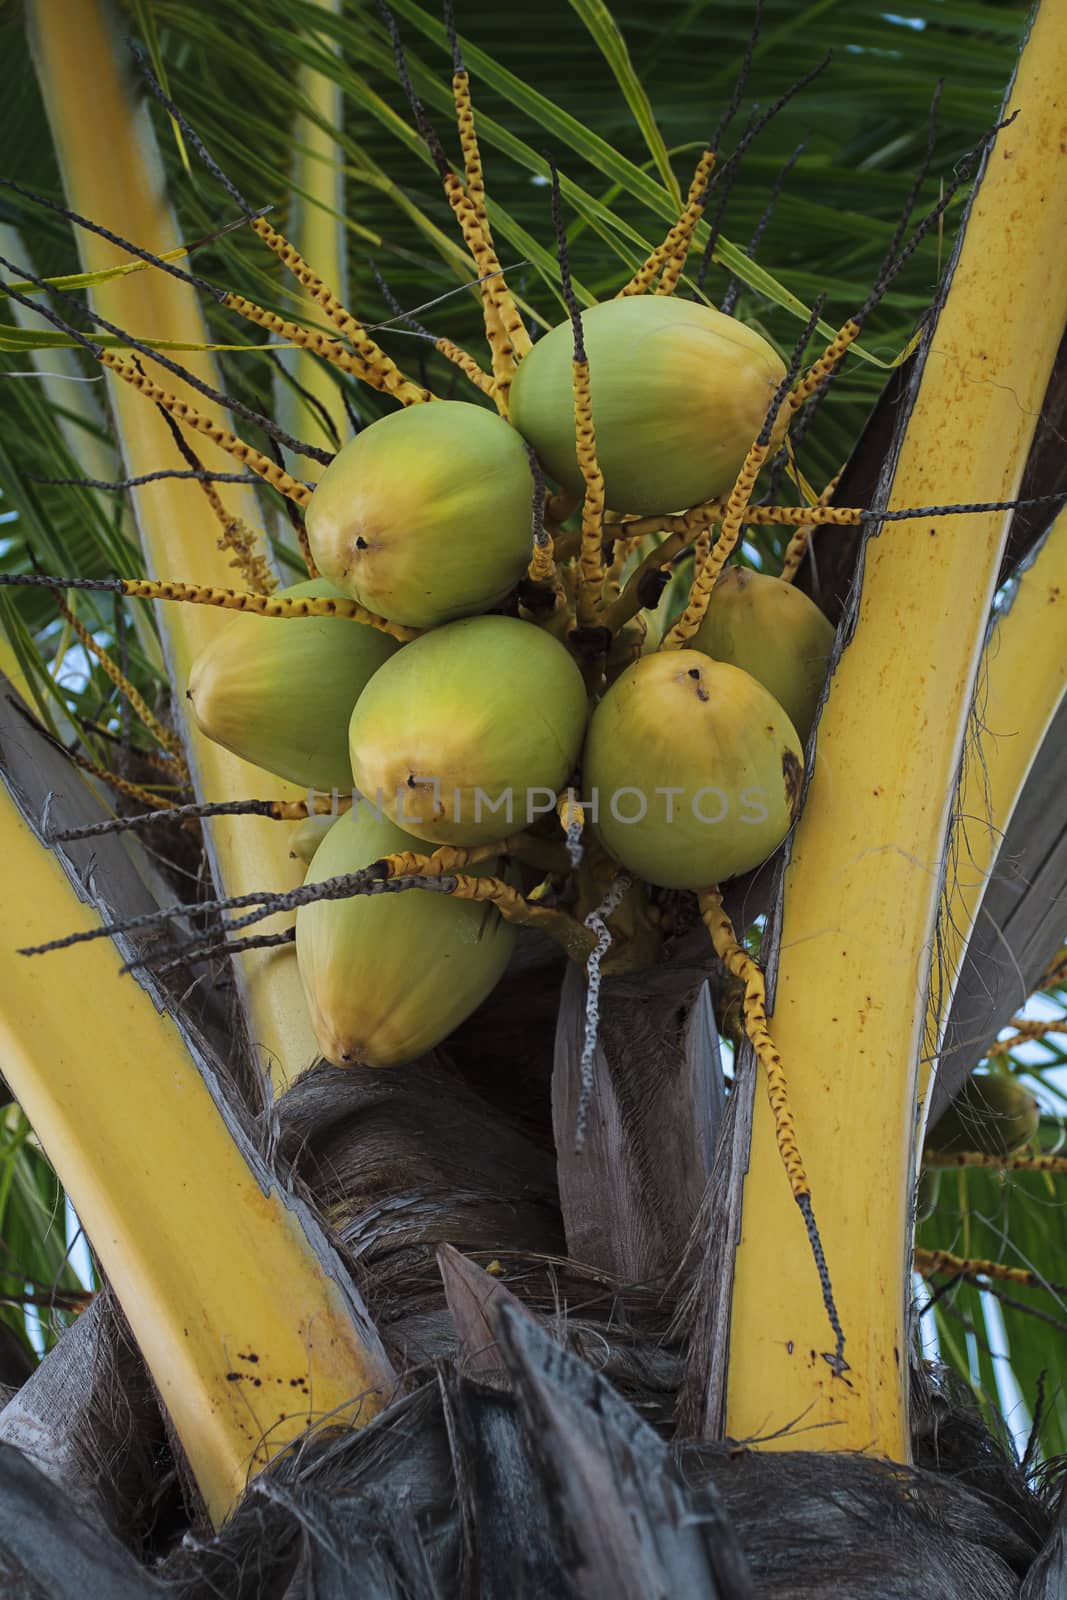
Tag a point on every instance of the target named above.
point(591, 560)
point(132, 791)
point(575, 939)
point(466, 364)
point(542, 568)
point(264, 605)
point(933, 1263)
point(447, 858)
point(239, 538)
point(488, 268)
point(377, 368)
point(669, 257)
point(1024, 1032)
point(798, 544)
point(820, 370)
point(737, 961)
point(226, 440)
point(312, 340)
point(706, 577)
point(513, 341)
point(164, 736)
point(741, 965)
point(1042, 1161)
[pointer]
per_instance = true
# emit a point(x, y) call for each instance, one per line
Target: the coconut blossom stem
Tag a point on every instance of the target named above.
point(707, 575)
point(264, 605)
point(738, 961)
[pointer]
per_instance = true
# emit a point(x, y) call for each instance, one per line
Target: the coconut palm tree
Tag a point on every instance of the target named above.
point(536, 1313)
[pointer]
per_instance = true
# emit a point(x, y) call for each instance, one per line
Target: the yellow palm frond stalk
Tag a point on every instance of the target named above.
point(1021, 683)
point(112, 174)
point(863, 884)
point(317, 230)
point(243, 1315)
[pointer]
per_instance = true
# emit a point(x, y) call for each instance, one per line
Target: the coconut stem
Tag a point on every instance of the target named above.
point(934, 1262)
point(377, 368)
point(738, 961)
point(508, 338)
point(164, 736)
point(381, 374)
point(707, 575)
point(575, 939)
point(669, 256)
point(258, 463)
point(820, 370)
point(236, 534)
point(591, 561)
point(264, 605)
point(797, 547)
point(1041, 1161)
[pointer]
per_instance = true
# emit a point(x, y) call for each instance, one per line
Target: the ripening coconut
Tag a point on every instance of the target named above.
point(696, 770)
point(679, 392)
point(772, 631)
point(426, 514)
point(991, 1113)
point(279, 691)
point(478, 726)
point(388, 976)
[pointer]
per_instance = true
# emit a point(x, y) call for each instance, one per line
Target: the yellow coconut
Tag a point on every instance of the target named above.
point(388, 976)
point(772, 631)
point(471, 730)
point(992, 1113)
point(427, 514)
point(679, 392)
point(279, 691)
point(694, 770)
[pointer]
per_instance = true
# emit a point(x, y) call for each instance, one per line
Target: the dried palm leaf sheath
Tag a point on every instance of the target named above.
point(862, 887)
point(111, 175)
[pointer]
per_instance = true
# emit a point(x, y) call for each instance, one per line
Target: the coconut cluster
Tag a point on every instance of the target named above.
point(690, 761)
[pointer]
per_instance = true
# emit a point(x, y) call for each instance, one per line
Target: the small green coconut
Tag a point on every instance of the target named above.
point(471, 732)
point(695, 769)
point(279, 691)
point(679, 393)
point(772, 631)
point(991, 1113)
point(426, 515)
point(388, 976)
point(308, 835)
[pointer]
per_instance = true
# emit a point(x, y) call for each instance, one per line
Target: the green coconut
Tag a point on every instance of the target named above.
point(308, 835)
point(279, 691)
point(772, 631)
point(388, 976)
point(992, 1113)
point(695, 769)
point(470, 731)
point(679, 392)
point(426, 515)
